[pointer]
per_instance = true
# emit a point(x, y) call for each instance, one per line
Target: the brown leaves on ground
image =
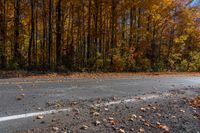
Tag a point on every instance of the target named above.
point(195, 102)
point(12, 74)
point(163, 127)
point(113, 121)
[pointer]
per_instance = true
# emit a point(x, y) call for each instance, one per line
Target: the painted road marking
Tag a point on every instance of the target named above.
point(123, 101)
point(134, 99)
point(21, 116)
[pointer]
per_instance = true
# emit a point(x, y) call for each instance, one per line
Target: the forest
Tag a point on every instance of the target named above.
point(99, 35)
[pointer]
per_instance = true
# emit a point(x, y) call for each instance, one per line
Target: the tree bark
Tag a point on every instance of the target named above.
point(58, 33)
point(16, 53)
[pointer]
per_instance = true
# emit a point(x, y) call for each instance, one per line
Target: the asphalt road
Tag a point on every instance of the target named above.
point(36, 93)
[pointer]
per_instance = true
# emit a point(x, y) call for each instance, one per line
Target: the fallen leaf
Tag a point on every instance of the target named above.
point(121, 131)
point(173, 117)
point(110, 118)
point(93, 108)
point(96, 114)
point(162, 126)
point(114, 113)
point(158, 123)
point(73, 103)
point(84, 127)
point(106, 109)
point(55, 129)
point(154, 108)
point(159, 115)
point(141, 130)
point(97, 123)
point(133, 116)
point(148, 108)
point(138, 98)
point(76, 110)
point(131, 119)
point(20, 97)
point(140, 117)
point(114, 122)
point(143, 109)
point(182, 111)
point(40, 117)
point(195, 102)
point(114, 98)
point(104, 120)
point(147, 124)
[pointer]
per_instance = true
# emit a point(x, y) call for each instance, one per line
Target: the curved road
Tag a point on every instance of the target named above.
point(26, 95)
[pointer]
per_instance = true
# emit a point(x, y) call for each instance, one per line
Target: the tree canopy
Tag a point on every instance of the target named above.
point(107, 35)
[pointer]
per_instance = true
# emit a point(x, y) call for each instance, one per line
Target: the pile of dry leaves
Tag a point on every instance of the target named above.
point(195, 102)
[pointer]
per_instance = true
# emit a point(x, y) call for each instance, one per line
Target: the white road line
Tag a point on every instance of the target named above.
point(132, 100)
point(21, 116)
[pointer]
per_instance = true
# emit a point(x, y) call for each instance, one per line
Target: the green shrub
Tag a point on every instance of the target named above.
point(13, 65)
point(159, 66)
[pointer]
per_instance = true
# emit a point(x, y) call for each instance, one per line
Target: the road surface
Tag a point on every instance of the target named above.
point(22, 97)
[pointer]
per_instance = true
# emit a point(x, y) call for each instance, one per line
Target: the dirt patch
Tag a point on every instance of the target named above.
point(20, 74)
point(14, 74)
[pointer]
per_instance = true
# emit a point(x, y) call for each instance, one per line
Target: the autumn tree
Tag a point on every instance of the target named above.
point(107, 35)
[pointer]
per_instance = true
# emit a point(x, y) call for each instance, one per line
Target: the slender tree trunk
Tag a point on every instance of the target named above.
point(3, 27)
point(16, 54)
point(36, 35)
point(31, 41)
point(89, 35)
point(44, 40)
point(58, 33)
point(113, 28)
point(123, 30)
point(96, 46)
point(131, 28)
point(137, 47)
point(1, 32)
point(153, 49)
point(4, 60)
point(100, 27)
point(84, 48)
point(50, 35)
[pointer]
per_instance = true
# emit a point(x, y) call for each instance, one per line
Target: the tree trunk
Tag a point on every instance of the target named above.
point(31, 41)
point(89, 35)
point(50, 35)
point(16, 53)
point(58, 33)
point(113, 28)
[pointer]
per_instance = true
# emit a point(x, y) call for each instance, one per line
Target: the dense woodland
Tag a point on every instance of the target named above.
point(104, 35)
